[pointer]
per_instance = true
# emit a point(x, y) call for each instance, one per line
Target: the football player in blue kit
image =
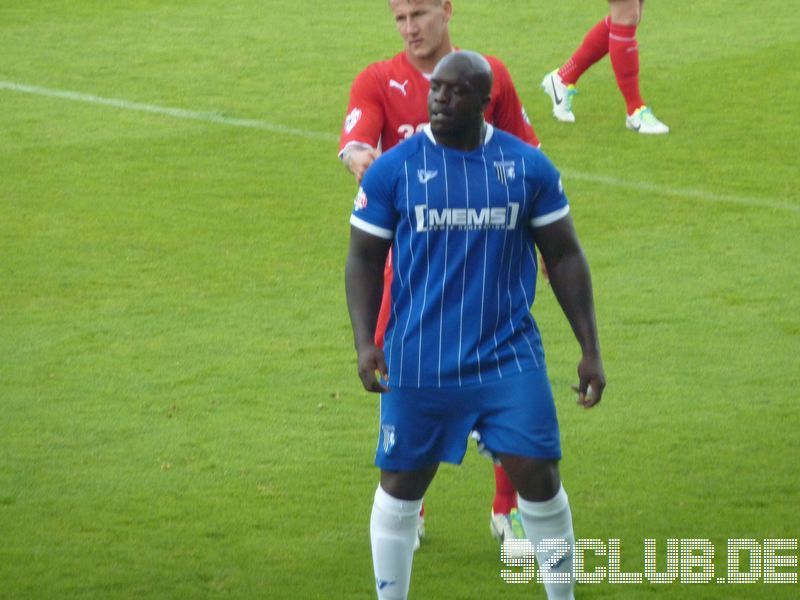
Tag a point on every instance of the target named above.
point(463, 207)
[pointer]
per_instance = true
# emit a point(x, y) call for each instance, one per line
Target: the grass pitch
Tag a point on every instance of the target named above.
point(180, 415)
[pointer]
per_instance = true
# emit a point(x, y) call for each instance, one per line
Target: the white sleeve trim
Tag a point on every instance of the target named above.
point(380, 232)
point(550, 217)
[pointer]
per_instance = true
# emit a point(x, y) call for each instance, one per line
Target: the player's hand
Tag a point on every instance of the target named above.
point(358, 160)
point(372, 363)
point(591, 381)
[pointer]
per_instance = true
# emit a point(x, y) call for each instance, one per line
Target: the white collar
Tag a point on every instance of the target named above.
point(487, 136)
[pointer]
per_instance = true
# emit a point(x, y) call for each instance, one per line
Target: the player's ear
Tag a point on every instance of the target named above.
point(447, 6)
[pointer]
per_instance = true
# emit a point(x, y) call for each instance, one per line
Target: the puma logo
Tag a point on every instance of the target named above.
point(399, 86)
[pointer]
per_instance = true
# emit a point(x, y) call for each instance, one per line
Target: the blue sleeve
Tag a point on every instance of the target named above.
point(373, 208)
point(550, 202)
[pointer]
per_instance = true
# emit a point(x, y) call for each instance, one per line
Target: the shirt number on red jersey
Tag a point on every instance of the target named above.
point(406, 130)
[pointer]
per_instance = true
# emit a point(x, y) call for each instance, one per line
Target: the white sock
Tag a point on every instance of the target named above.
point(551, 519)
point(393, 529)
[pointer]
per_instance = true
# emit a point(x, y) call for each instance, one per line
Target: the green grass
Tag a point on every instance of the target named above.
point(180, 415)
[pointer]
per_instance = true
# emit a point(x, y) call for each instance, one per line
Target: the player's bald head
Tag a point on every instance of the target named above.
point(461, 86)
point(469, 66)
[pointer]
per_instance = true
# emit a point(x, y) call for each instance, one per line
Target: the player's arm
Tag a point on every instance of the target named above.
point(361, 131)
point(509, 114)
point(358, 157)
point(364, 287)
point(572, 285)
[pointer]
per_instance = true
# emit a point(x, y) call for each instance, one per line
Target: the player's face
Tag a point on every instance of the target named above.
point(423, 26)
point(454, 103)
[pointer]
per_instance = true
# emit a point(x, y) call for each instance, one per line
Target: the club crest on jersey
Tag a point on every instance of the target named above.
point(360, 203)
point(351, 119)
point(466, 219)
point(389, 438)
point(425, 176)
point(399, 86)
point(506, 172)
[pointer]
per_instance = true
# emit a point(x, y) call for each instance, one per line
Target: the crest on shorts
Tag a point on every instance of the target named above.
point(389, 438)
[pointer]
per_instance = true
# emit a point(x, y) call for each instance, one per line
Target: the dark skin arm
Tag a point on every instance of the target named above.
point(572, 285)
point(364, 286)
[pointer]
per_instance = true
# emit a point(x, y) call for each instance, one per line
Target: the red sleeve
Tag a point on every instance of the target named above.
point(507, 112)
point(365, 117)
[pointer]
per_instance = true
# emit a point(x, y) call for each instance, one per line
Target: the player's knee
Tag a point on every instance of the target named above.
point(540, 479)
point(625, 12)
point(407, 485)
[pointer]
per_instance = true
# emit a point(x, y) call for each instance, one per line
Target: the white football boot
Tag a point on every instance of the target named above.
point(561, 96)
point(509, 528)
point(644, 121)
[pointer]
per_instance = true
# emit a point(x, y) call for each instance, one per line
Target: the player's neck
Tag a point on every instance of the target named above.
point(466, 140)
point(425, 65)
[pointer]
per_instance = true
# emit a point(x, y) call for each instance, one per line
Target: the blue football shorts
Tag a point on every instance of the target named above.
point(423, 426)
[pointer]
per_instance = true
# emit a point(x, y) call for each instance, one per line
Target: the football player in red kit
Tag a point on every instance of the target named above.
point(614, 35)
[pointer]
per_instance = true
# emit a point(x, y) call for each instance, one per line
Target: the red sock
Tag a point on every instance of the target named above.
point(386, 302)
point(624, 52)
point(505, 496)
point(593, 48)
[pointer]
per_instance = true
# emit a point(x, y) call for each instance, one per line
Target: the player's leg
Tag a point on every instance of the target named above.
point(419, 428)
point(560, 84)
point(623, 49)
point(393, 529)
point(544, 508)
point(380, 331)
point(521, 428)
point(505, 495)
point(593, 47)
point(505, 523)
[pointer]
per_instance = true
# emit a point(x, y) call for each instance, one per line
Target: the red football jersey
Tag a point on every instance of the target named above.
point(389, 103)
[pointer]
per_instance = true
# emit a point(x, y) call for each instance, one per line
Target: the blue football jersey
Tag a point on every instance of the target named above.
point(464, 263)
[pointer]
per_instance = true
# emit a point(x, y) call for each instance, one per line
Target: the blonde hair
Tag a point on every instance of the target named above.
point(437, 2)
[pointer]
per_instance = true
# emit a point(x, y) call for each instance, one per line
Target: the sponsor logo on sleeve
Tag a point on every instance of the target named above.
point(351, 119)
point(360, 203)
